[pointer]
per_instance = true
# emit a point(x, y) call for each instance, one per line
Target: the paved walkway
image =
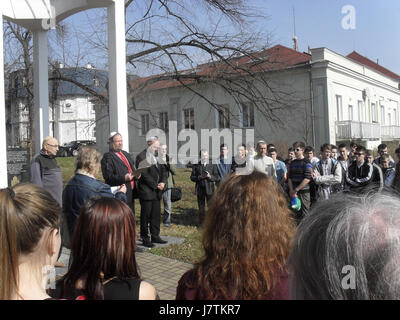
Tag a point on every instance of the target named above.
point(163, 273)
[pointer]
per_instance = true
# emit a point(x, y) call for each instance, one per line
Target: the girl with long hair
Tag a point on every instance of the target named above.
point(103, 249)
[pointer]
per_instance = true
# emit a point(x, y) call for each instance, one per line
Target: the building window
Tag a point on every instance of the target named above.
point(360, 111)
point(223, 117)
point(339, 108)
point(247, 115)
point(163, 121)
point(351, 115)
point(395, 117)
point(382, 114)
point(188, 118)
point(373, 113)
point(145, 124)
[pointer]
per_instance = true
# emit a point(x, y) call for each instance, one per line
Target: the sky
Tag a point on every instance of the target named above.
point(374, 33)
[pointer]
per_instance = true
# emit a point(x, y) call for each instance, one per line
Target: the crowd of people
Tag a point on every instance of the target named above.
point(257, 245)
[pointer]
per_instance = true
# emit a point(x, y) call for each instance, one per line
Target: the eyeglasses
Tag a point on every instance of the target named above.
point(358, 154)
point(52, 145)
point(298, 149)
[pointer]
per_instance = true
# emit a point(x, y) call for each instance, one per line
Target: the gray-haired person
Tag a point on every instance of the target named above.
point(348, 247)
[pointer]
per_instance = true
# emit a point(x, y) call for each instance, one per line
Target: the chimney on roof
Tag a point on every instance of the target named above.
point(377, 61)
point(309, 50)
point(295, 45)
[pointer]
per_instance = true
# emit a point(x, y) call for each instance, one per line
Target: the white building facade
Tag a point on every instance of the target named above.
point(333, 99)
point(71, 109)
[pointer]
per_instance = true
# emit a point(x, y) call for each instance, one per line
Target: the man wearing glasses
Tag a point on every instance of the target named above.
point(360, 173)
point(45, 171)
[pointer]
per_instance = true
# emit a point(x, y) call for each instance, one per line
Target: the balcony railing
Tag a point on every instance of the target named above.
point(349, 130)
point(390, 132)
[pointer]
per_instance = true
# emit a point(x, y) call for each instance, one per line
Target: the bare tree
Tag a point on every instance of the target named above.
point(169, 40)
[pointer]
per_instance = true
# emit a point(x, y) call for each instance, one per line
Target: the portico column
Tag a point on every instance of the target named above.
point(3, 139)
point(40, 87)
point(117, 82)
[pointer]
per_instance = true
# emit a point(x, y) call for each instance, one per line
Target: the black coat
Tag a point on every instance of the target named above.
point(150, 178)
point(114, 171)
point(204, 186)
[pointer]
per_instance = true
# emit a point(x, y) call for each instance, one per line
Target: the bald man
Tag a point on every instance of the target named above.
point(45, 171)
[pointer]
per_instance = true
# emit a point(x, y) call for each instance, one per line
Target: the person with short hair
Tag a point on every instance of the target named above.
point(360, 172)
point(383, 150)
point(239, 160)
point(310, 155)
point(45, 171)
point(30, 222)
point(204, 174)
point(377, 181)
point(261, 162)
point(84, 185)
point(327, 174)
point(246, 239)
point(117, 167)
point(280, 167)
point(388, 171)
point(103, 256)
point(152, 183)
point(299, 177)
point(345, 162)
point(290, 157)
point(171, 171)
point(348, 248)
point(224, 163)
point(334, 150)
point(353, 148)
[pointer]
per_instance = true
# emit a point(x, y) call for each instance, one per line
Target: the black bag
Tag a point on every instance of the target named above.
point(176, 192)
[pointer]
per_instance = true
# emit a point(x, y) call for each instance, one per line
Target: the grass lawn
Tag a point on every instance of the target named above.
point(183, 218)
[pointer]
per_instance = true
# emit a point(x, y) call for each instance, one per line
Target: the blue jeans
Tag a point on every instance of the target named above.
point(167, 206)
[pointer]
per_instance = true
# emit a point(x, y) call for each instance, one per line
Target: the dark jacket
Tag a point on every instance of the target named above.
point(150, 178)
point(242, 164)
point(80, 189)
point(114, 171)
point(204, 186)
point(224, 168)
point(360, 179)
point(46, 173)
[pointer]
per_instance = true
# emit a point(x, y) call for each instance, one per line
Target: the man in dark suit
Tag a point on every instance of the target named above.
point(118, 168)
point(151, 185)
point(204, 174)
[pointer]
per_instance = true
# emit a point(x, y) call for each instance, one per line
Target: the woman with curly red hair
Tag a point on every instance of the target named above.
point(247, 239)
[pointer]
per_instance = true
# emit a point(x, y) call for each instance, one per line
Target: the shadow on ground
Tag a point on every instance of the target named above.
point(185, 216)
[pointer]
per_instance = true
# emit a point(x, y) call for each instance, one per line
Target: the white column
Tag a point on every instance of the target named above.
point(40, 87)
point(117, 81)
point(3, 139)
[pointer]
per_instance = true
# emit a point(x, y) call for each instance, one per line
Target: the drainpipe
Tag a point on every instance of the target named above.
point(312, 106)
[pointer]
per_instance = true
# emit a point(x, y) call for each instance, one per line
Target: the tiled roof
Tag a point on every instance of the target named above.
point(365, 61)
point(275, 58)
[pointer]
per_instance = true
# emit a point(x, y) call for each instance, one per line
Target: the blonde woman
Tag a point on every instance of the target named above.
point(30, 240)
